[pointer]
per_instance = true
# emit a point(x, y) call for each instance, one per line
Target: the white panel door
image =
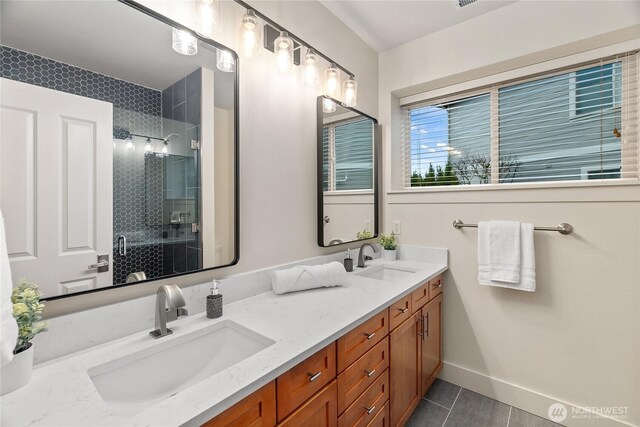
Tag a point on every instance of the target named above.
point(56, 188)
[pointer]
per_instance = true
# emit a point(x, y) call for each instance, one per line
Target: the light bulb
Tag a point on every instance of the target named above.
point(147, 146)
point(225, 61)
point(350, 91)
point(183, 42)
point(310, 74)
point(129, 146)
point(332, 82)
point(283, 48)
point(207, 17)
point(250, 35)
point(328, 106)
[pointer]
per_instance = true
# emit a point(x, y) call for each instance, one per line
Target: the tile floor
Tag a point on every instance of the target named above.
point(448, 405)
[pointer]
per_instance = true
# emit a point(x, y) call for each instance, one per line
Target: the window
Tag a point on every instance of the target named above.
point(348, 156)
point(559, 127)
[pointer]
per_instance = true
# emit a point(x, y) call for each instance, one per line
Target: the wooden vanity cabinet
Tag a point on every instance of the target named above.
point(373, 376)
point(256, 410)
point(431, 342)
point(319, 411)
point(405, 367)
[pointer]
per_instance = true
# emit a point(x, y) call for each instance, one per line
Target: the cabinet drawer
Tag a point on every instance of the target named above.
point(359, 340)
point(305, 379)
point(319, 411)
point(382, 418)
point(435, 287)
point(399, 312)
point(420, 297)
point(359, 376)
point(255, 410)
point(368, 405)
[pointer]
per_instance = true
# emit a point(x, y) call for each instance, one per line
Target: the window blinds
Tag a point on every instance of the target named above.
point(578, 124)
point(348, 156)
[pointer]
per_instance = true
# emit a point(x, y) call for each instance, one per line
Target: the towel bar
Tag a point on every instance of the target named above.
point(563, 228)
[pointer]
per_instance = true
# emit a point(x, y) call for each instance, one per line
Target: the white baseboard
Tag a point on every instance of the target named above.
point(525, 399)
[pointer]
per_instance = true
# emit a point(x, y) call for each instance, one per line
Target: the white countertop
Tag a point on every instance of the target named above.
point(62, 394)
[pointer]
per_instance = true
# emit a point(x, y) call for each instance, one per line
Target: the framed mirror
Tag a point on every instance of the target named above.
point(118, 147)
point(348, 171)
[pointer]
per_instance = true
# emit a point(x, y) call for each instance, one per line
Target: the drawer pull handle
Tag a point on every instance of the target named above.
point(403, 310)
point(371, 335)
point(369, 373)
point(370, 410)
point(439, 285)
point(313, 377)
point(421, 333)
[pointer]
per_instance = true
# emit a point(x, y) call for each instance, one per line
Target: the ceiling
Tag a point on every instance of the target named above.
point(109, 38)
point(384, 24)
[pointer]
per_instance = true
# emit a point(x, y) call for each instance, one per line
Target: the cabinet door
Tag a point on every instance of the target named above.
point(405, 364)
point(255, 410)
point(431, 341)
point(320, 411)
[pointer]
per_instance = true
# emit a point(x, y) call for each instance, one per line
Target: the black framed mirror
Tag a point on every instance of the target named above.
point(348, 166)
point(119, 146)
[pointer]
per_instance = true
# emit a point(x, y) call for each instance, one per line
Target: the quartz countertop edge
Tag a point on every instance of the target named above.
point(299, 323)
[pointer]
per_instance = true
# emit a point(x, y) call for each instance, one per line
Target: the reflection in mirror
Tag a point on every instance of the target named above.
point(118, 153)
point(347, 161)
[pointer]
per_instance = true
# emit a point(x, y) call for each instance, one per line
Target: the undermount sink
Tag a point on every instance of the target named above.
point(138, 380)
point(385, 272)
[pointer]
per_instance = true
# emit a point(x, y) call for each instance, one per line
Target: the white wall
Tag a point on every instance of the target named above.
point(277, 141)
point(577, 339)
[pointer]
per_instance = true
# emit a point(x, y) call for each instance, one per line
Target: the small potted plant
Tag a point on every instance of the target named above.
point(27, 310)
point(389, 244)
point(364, 235)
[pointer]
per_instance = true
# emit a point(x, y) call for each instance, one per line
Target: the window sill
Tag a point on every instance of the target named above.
point(618, 190)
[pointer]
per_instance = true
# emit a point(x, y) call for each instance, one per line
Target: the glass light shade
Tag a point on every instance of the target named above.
point(147, 147)
point(165, 149)
point(332, 82)
point(129, 145)
point(350, 92)
point(183, 42)
point(207, 17)
point(283, 48)
point(328, 106)
point(250, 35)
point(310, 73)
point(225, 61)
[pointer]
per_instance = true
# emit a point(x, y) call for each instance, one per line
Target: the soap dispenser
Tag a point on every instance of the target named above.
point(214, 302)
point(348, 261)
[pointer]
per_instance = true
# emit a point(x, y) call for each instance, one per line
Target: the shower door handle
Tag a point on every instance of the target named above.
point(122, 245)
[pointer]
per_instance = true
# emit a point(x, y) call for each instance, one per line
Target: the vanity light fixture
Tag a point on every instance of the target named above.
point(283, 47)
point(165, 148)
point(328, 106)
point(332, 82)
point(207, 17)
point(310, 73)
point(129, 145)
point(350, 90)
point(225, 61)
point(183, 42)
point(250, 35)
point(147, 146)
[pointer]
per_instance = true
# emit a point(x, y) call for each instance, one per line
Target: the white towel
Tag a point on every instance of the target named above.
point(504, 251)
point(308, 277)
point(9, 327)
point(527, 267)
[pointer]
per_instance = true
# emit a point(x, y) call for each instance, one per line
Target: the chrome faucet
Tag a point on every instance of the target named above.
point(362, 258)
point(171, 296)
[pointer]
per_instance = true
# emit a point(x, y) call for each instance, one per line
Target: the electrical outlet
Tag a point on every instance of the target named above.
point(367, 225)
point(397, 228)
